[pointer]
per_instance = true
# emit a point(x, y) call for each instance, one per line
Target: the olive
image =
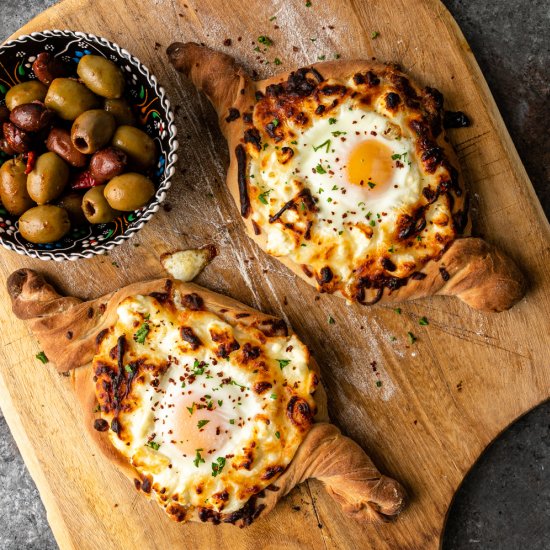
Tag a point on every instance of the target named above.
point(32, 117)
point(69, 98)
point(139, 147)
point(48, 178)
point(129, 191)
point(18, 140)
point(59, 142)
point(102, 76)
point(107, 164)
point(72, 203)
point(122, 112)
point(5, 147)
point(95, 206)
point(92, 130)
point(44, 224)
point(13, 187)
point(47, 68)
point(26, 92)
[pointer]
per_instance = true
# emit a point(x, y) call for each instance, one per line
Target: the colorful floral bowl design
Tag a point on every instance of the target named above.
point(148, 100)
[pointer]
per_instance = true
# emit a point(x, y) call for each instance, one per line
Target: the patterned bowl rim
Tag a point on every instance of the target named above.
point(171, 160)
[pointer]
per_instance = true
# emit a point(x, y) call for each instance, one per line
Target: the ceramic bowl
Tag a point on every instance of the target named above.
point(149, 103)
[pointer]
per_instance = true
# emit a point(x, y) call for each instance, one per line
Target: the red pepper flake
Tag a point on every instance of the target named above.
point(84, 180)
point(31, 161)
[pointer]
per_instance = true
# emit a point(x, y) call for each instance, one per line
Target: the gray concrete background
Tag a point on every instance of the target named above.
point(505, 501)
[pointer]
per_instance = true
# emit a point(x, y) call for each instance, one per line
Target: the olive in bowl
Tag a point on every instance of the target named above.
point(59, 138)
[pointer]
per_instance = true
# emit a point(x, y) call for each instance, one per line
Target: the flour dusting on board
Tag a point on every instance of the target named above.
point(293, 40)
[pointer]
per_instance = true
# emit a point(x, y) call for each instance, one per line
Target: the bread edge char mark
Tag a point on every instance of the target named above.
point(470, 268)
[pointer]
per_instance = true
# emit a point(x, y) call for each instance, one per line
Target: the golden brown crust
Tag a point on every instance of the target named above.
point(344, 468)
point(486, 278)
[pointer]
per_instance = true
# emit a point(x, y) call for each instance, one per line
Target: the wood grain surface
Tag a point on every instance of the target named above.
point(441, 400)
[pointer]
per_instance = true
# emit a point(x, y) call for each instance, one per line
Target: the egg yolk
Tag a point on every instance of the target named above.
point(370, 165)
point(191, 425)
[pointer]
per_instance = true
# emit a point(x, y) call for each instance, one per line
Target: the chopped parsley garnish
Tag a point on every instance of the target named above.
point(142, 333)
point(371, 184)
point(273, 396)
point(236, 384)
point(294, 142)
point(262, 197)
point(97, 409)
point(277, 435)
point(397, 310)
point(232, 421)
point(191, 409)
point(128, 368)
point(217, 466)
point(308, 4)
point(41, 356)
point(265, 40)
point(273, 18)
point(154, 445)
point(321, 190)
point(332, 120)
point(320, 170)
point(412, 337)
point(372, 223)
point(202, 423)
point(391, 249)
point(374, 34)
point(321, 57)
point(335, 188)
point(329, 199)
point(275, 122)
point(423, 321)
point(198, 458)
point(331, 321)
point(378, 383)
point(419, 237)
point(198, 368)
point(220, 402)
point(277, 61)
point(338, 133)
point(283, 363)
point(324, 144)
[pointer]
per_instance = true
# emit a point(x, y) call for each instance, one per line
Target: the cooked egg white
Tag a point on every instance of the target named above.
point(205, 415)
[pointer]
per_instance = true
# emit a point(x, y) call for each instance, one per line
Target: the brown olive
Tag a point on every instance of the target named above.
point(32, 117)
point(122, 112)
point(101, 75)
point(139, 147)
point(13, 187)
point(95, 206)
point(107, 164)
point(5, 147)
point(26, 92)
point(92, 130)
point(47, 68)
point(59, 142)
point(72, 203)
point(69, 98)
point(44, 224)
point(129, 191)
point(48, 178)
point(18, 140)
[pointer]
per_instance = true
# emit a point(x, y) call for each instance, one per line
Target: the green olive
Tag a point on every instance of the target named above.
point(129, 191)
point(95, 206)
point(72, 203)
point(92, 130)
point(48, 178)
point(101, 75)
point(121, 111)
point(44, 224)
point(69, 98)
point(139, 147)
point(13, 187)
point(26, 92)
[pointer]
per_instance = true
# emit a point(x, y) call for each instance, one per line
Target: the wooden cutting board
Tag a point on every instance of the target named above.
point(441, 399)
